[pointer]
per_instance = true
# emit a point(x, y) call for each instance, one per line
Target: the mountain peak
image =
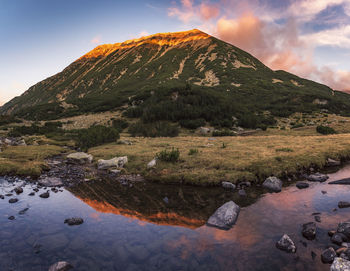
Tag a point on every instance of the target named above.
point(159, 39)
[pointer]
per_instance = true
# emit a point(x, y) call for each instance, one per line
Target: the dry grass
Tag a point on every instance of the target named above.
point(26, 160)
point(244, 158)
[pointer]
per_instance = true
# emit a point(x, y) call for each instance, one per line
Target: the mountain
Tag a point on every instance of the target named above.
point(174, 76)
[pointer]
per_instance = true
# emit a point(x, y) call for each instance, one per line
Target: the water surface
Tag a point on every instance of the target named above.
point(158, 227)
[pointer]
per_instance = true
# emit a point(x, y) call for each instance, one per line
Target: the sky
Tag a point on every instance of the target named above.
point(39, 38)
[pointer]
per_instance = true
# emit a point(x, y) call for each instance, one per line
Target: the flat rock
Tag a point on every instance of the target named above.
point(302, 185)
point(328, 255)
point(345, 181)
point(225, 216)
point(317, 177)
point(50, 181)
point(344, 228)
point(273, 184)
point(79, 158)
point(74, 221)
point(340, 264)
point(286, 244)
point(309, 230)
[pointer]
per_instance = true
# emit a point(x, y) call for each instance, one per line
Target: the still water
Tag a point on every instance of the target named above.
point(158, 227)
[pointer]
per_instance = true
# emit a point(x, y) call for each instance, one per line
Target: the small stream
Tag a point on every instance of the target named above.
point(159, 227)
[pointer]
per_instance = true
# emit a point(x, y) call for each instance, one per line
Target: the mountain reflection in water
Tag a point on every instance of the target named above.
point(162, 227)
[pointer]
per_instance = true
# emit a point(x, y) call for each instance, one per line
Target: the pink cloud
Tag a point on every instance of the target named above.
point(96, 40)
point(279, 46)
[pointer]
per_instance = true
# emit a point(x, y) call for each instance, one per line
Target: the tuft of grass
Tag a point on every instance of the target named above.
point(192, 151)
point(169, 156)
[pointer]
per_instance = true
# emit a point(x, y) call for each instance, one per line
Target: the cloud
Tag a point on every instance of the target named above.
point(276, 38)
point(96, 40)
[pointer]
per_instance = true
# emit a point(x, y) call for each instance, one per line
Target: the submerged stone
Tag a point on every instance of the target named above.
point(273, 184)
point(74, 221)
point(286, 244)
point(61, 266)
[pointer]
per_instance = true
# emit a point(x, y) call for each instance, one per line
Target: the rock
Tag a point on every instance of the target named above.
point(286, 244)
point(328, 255)
point(115, 171)
point(18, 190)
point(60, 266)
point(318, 218)
point(345, 254)
point(124, 142)
point(242, 193)
point(344, 228)
point(79, 158)
point(23, 211)
point(166, 200)
point(340, 264)
point(338, 238)
point(204, 130)
point(8, 194)
point(36, 189)
point(74, 221)
point(302, 185)
point(343, 204)
point(228, 185)
point(116, 162)
point(2, 197)
point(152, 163)
point(225, 216)
point(13, 200)
point(332, 163)
point(50, 181)
point(324, 192)
point(273, 184)
point(244, 184)
point(309, 230)
point(317, 177)
point(45, 195)
point(11, 217)
point(345, 181)
point(21, 143)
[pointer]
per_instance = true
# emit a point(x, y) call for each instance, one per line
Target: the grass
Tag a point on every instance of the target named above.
point(244, 158)
point(26, 160)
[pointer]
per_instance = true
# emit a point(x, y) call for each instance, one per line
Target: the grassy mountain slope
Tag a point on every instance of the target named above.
point(174, 76)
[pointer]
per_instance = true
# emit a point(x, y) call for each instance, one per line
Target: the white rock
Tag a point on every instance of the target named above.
point(79, 158)
point(340, 264)
point(116, 162)
point(152, 163)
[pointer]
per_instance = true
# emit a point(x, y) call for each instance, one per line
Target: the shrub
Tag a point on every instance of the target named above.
point(169, 156)
point(192, 151)
point(325, 130)
point(34, 129)
point(192, 124)
point(157, 129)
point(223, 133)
point(297, 125)
point(120, 124)
point(95, 135)
point(4, 120)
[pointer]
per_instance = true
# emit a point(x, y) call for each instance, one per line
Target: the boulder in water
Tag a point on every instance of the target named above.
point(273, 184)
point(79, 158)
point(225, 216)
point(286, 244)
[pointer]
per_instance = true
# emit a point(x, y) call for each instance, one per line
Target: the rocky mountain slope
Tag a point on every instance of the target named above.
point(189, 69)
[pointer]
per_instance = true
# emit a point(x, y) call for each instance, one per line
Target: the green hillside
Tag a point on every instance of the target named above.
point(183, 76)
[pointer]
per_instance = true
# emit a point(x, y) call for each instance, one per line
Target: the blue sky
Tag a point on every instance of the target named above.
point(41, 37)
